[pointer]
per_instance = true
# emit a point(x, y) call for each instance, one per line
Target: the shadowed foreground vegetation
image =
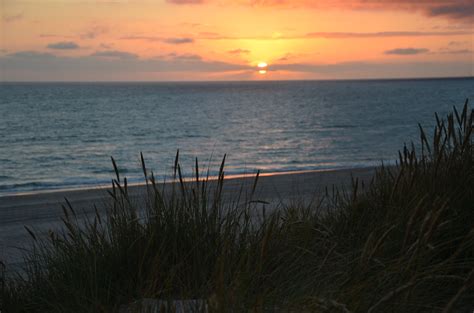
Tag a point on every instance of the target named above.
point(402, 243)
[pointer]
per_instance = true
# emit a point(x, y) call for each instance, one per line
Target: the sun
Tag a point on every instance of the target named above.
point(262, 67)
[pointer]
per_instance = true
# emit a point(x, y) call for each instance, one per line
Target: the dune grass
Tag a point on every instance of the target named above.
point(403, 242)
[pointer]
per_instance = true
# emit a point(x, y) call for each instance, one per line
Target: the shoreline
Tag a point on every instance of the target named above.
point(102, 186)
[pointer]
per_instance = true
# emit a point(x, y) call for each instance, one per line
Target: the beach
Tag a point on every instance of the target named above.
point(43, 210)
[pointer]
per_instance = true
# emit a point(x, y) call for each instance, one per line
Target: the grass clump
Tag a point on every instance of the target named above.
point(403, 242)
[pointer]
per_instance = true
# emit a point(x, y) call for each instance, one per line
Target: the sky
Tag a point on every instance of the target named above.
point(189, 40)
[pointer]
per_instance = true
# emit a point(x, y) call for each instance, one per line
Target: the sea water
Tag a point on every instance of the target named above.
point(62, 135)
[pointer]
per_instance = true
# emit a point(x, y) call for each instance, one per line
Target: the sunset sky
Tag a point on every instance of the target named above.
point(159, 40)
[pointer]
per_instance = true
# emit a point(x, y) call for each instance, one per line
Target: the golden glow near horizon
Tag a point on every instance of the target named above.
point(221, 40)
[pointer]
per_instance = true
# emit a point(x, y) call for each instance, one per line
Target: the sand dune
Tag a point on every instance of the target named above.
point(42, 211)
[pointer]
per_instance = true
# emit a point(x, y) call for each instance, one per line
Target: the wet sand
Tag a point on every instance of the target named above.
point(42, 211)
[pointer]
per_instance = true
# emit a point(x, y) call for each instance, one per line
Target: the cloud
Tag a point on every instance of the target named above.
point(183, 57)
point(114, 54)
point(407, 51)
point(288, 56)
point(30, 55)
point(93, 32)
point(185, 1)
point(239, 51)
point(32, 65)
point(209, 35)
point(343, 35)
point(171, 40)
point(178, 41)
point(63, 45)
point(194, 24)
point(145, 38)
point(188, 57)
point(55, 36)
point(109, 65)
point(273, 37)
point(459, 51)
point(106, 46)
point(12, 18)
point(334, 35)
point(362, 70)
point(461, 10)
point(451, 9)
point(457, 43)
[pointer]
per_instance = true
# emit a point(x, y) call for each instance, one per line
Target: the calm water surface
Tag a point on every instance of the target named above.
point(57, 135)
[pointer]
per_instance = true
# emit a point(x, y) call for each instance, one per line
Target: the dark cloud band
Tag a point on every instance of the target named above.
point(63, 45)
point(407, 51)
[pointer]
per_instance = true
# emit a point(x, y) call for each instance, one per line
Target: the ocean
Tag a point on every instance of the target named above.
point(62, 135)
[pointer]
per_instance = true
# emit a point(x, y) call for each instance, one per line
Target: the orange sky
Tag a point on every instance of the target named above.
point(225, 40)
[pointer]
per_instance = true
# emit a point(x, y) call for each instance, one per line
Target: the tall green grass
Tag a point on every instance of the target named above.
point(403, 242)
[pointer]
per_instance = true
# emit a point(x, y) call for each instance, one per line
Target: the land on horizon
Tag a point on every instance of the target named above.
point(388, 79)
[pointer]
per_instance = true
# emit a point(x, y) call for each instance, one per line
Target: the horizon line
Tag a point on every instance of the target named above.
point(238, 81)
